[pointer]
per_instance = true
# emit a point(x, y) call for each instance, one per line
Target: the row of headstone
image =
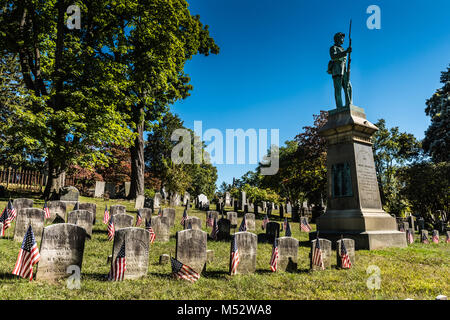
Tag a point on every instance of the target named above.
point(102, 187)
point(325, 246)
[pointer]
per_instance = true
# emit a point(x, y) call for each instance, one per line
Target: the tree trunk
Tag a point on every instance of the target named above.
point(137, 158)
point(55, 182)
point(295, 212)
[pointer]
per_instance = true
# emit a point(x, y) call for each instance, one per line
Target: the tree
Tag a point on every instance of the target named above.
point(392, 149)
point(427, 187)
point(437, 136)
point(71, 84)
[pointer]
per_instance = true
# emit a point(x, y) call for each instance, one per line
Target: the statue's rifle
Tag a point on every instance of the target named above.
point(349, 54)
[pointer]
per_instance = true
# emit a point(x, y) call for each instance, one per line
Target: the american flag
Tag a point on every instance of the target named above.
point(119, 266)
point(148, 227)
point(304, 225)
point(138, 218)
point(435, 236)
point(12, 213)
point(274, 258)
point(317, 259)
point(215, 229)
point(265, 221)
point(182, 271)
point(288, 232)
point(209, 220)
point(47, 211)
point(243, 226)
point(106, 215)
point(111, 229)
point(425, 238)
point(184, 217)
point(345, 259)
point(3, 219)
point(234, 256)
point(28, 256)
point(409, 236)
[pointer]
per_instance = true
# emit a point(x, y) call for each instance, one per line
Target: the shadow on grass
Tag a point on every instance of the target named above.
point(217, 274)
point(8, 276)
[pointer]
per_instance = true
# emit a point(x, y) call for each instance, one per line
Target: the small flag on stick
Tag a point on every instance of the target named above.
point(274, 258)
point(28, 256)
point(234, 256)
point(106, 215)
point(111, 229)
point(317, 259)
point(119, 266)
point(46, 211)
point(148, 227)
point(182, 271)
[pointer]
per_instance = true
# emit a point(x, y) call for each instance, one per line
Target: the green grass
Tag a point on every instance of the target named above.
point(418, 272)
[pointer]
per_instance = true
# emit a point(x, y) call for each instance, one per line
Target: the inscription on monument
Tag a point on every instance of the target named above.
point(369, 194)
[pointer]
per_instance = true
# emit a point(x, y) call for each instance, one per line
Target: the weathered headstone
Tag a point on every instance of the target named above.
point(214, 214)
point(232, 216)
point(202, 198)
point(57, 208)
point(250, 218)
point(146, 213)
point(69, 194)
point(420, 224)
point(186, 198)
point(62, 246)
point(191, 248)
point(164, 259)
point(127, 187)
point(247, 245)
point(24, 218)
point(424, 235)
point(350, 247)
point(116, 209)
point(170, 213)
point(82, 218)
point(122, 220)
point(411, 222)
point(136, 250)
point(224, 229)
point(110, 188)
point(227, 199)
point(287, 254)
point(325, 246)
point(22, 203)
point(161, 228)
point(195, 222)
point(139, 204)
point(272, 231)
point(405, 226)
point(99, 189)
point(157, 199)
point(209, 256)
point(92, 207)
point(243, 199)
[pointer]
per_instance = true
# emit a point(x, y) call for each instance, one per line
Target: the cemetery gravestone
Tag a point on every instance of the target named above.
point(191, 248)
point(92, 207)
point(99, 189)
point(250, 218)
point(62, 246)
point(139, 204)
point(122, 220)
point(116, 209)
point(243, 199)
point(423, 235)
point(195, 222)
point(411, 222)
point(287, 254)
point(272, 231)
point(420, 224)
point(157, 199)
point(232, 216)
point(405, 226)
point(69, 194)
point(170, 213)
point(110, 188)
point(224, 229)
point(127, 186)
point(22, 203)
point(57, 208)
point(247, 245)
point(227, 199)
point(146, 213)
point(186, 198)
point(24, 218)
point(136, 250)
point(161, 228)
point(350, 247)
point(325, 246)
point(214, 214)
point(82, 218)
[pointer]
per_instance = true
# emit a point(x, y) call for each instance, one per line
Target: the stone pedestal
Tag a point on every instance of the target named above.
point(354, 207)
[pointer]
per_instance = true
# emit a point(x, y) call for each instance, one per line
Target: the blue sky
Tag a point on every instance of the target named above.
point(271, 70)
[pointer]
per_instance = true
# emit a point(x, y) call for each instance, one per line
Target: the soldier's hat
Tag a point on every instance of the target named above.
point(338, 35)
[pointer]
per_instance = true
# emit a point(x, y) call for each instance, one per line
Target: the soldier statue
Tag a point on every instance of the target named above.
point(337, 67)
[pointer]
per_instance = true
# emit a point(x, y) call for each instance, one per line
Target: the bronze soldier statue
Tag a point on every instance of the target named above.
point(338, 69)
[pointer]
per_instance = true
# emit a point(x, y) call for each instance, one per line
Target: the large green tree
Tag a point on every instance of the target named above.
point(437, 136)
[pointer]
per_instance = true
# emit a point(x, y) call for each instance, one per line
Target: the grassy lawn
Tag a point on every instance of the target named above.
point(418, 272)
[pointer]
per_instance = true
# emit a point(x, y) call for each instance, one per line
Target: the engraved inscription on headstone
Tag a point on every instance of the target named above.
point(123, 221)
point(191, 248)
point(24, 218)
point(369, 193)
point(62, 246)
point(117, 208)
point(136, 250)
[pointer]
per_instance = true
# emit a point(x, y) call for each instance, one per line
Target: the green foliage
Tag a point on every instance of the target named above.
point(392, 150)
point(437, 137)
point(149, 193)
